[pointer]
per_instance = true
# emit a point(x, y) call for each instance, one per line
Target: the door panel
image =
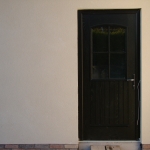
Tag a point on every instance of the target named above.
point(110, 106)
point(108, 74)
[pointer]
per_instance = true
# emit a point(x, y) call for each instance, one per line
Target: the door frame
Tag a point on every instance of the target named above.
point(80, 65)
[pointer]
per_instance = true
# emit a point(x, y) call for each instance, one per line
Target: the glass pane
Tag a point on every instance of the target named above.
point(100, 39)
point(118, 66)
point(100, 66)
point(117, 39)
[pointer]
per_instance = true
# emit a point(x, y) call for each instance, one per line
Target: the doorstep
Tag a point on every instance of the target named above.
point(124, 145)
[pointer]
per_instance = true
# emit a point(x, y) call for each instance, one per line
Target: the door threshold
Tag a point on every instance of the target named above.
point(125, 145)
point(107, 141)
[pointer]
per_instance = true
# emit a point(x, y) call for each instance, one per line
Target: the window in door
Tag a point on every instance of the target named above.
point(108, 52)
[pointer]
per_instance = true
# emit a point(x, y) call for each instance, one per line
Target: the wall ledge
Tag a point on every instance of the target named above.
point(38, 146)
point(145, 146)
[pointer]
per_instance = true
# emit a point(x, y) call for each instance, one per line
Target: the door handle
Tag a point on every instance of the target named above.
point(132, 80)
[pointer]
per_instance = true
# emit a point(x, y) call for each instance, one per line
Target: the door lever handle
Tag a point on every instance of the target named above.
point(132, 80)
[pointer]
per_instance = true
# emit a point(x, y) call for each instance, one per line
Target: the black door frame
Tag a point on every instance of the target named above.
point(80, 65)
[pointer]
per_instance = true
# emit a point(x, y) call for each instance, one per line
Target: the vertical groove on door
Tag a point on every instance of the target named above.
point(126, 103)
point(107, 103)
point(121, 102)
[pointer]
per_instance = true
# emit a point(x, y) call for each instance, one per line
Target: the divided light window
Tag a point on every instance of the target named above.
point(108, 47)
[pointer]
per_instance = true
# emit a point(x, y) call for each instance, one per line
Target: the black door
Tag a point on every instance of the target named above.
point(108, 74)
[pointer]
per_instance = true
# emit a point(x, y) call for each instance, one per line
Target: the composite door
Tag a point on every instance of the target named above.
point(108, 74)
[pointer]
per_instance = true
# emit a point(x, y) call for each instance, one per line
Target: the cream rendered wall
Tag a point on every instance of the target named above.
point(38, 68)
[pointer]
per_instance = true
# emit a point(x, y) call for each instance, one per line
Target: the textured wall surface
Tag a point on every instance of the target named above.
point(38, 69)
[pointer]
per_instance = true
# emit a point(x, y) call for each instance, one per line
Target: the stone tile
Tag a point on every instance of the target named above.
point(24, 146)
point(146, 146)
point(45, 149)
point(56, 146)
point(71, 146)
point(2, 145)
point(17, 149)
point(41, 145)
point(14, 146)
point(59, 149)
